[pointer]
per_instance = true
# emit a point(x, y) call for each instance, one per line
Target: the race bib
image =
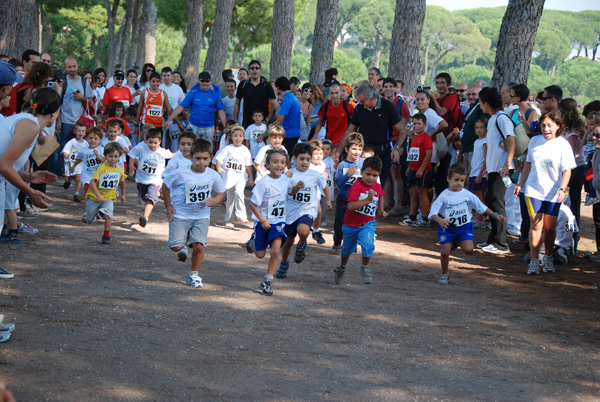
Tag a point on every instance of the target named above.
point(413, 154)
point(458, 215)
point(92, 163)
point(149, 166)
point(352, 179)
point(303, 195)
point(197, 194)
point(154, 110)
point(371, 208)
point(174, 134)
point(109, 181)
point(329, 183)
point(255, 134)
point(276, 209)
point(73, 155)
point(234, 165)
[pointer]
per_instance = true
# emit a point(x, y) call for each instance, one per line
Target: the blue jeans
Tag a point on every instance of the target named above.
point(56, 163)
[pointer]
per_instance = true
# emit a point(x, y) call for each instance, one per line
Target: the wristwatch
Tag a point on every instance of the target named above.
point(398, 147)
point(564, 190)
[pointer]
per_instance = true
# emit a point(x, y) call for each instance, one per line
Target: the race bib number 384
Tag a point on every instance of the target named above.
point(197, 194)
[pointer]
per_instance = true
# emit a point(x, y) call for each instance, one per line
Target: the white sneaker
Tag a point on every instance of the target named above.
point(479, 225)
point(548, 264)
point(444, 279)
point(534, 267)
point(562, 256)
point(513, 231)
point(194, 280)
point(229, 225)
point(492, 249)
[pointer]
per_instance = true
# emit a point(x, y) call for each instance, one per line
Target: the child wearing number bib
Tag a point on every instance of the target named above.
point(103, 189)
point(452, 212)
point(302, 207)
point(318, 165)
point(150, 162)
point(365, 200)
point(268, 205)
point(187, 193)
point(113, 134)
point(70, 152)
point(153, 101)
point(255, 133)
point(232, 162)
point(90, 157)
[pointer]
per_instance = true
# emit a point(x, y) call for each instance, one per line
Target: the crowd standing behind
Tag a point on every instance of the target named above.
point(454, 156)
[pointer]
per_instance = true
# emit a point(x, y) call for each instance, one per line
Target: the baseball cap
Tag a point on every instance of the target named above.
point(7, 73)
point(119, 74)
point(204, 75)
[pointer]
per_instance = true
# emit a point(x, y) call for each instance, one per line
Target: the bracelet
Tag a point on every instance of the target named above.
point(495, 214)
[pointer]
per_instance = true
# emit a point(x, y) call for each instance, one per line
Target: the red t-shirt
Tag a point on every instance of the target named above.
point(416, 153)
point(360, 191)
point(404, 113)
point(114, 94)
point(337, 121)
point(126, 130)
point(452, 103)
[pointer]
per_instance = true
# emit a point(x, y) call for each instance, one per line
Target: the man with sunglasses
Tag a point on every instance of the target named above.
point(461, 91)
point(551, 98)
point(118, 92)
point(256, 93)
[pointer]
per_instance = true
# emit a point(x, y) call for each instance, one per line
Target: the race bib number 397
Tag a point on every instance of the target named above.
point(197, 194)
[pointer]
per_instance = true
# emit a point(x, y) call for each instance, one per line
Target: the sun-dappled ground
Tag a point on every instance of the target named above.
point(118, 322)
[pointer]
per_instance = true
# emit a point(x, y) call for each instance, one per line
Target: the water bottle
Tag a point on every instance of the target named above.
point(506, 180)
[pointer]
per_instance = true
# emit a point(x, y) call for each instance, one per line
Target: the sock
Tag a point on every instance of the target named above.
point(364, 266)
point(413, 217)
point(344, 266)
point(107, 233)
point(315, 231)
point(193, 273)
point(14, 232)
point(267, 277)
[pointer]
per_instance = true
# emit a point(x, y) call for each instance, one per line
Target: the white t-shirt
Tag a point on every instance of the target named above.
point(306, 200)
point(90, 162)
point(252, 132)
point(175, 163)
point(122, 141)
point(270, 196)
point(229, 104)
point(261, 159)
point(189, 191)
point(134, 99)
point(433, 123)
point(549, 159)
point(151, 164)
point(478, 157)
point(330, 170)
point(174, 93)
point(7, 132)
point(496, 155)
point(234, 161)
point(456, 206)
point(73, 147)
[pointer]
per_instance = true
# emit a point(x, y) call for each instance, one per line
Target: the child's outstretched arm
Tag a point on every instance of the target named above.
point(297, 187)
point(381, 209)
point(354, 205)
point(493, 215)
point(132, 166)
point(327, 196)
point(264, 222)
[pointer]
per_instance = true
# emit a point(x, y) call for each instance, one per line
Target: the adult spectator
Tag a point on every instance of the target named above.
point(468, 135)
point(518, 96)
point(331, 75)
point(229, 99)
point(28, 57)
point(305, 102)
point(335, 115)
point(179, 81)
point(294, 85)
point(99, 88)
point(118, 92)
point(380, 86)
point(174, 92)
point(46, 59)
point(133, 86)
point(147, 70)
point(461, 91)
point(111, 81)
point(203, 103)
point(256, 93)
point(375, 118)
point(497, 162)
point(37, 78)
point(480, 84)
point(5, 59)
point(592, 107)
point(505, 93)
point(289, 114)
point(447, 106)
point(374, 75)
point(551, 98)
point(317, 100)
point(574, 130)
point(243, 74)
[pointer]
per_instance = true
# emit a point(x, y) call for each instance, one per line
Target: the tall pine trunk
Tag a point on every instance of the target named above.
point(515, 44)
point(219, 40)
point(111, 14)
point(19, 27)
point(124, 34)
point(282, 43)
point(321, 57)
point(149, 24)
point(46, 30)
point(406, 39)
point(136, 53)
point(190, 56)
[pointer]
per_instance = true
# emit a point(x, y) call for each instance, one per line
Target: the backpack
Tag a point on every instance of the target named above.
point(461, 116)
point(64, 88)
point(12, 106)
point(344, 104)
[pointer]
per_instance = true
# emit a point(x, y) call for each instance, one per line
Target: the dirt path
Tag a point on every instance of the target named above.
point(97, 323)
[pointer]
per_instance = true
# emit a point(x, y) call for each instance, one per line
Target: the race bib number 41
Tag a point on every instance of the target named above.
point(109, 181)
point(197, 194)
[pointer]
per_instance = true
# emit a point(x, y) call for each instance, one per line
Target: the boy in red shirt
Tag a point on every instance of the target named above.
point(365, 199)
point(419, 173)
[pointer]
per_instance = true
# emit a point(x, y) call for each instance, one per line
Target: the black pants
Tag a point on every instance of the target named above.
point(495, 202)
point(384, 153)
point(441, 174)
point(341, 204)
point(596, 217)
point(289, 144)
point(525, 220)
point(575, 186)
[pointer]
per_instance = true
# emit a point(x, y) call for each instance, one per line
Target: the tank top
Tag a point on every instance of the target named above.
point(7, 132)
point(153, 108)
point(578, 153)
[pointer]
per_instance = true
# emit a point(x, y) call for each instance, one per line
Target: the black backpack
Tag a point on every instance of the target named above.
point(344, 104)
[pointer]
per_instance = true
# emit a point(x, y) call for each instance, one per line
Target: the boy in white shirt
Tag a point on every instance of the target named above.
point(151, 164)
point(70, 152)
point(113, 134)
point(275, 135)
point(302, 207)
point(318, 165)
point(255, 133)
point(187, 195)
point(231, 163)
point(183, 157)
point(91, 157)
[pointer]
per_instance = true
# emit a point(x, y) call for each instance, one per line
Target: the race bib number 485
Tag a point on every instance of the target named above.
point(197, 194)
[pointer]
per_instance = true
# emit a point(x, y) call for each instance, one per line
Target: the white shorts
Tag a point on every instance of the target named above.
point(187, 231)
point(11, 196)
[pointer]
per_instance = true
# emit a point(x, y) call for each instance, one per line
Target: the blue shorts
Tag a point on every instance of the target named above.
point(363, 235)
point(291, 229)
point(460, 233)
point(149, 192)
point(425, 181)
point(263, 238)
point(535, 206)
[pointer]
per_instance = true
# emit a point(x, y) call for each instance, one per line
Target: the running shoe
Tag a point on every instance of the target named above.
point(590, 200)
point(11, 238)
point(182, 254)
point(422, 224)
point(143, 221)
point(27, 214)
point(339, 274)
point(266, 287)
point(493, 249)
point(5, 274)
point(250, 244)
point(25, 228)
point(282, 270)
point(318, 237)
point(5, 336)
point(194, 280)
point(335, 250)
point(76, 198)
point(408, 222)
point(482, 245)
point(444, 278)
point(548, 264)
point(367, 275)
point(229, 225)
point(7, 327)
point(105, 239)
point(561, 256)
point(67, 184)
point(300, 253)
point(534, 267)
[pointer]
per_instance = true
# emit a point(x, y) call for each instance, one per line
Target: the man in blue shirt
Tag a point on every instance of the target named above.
point(289, 114)
point(203, 101)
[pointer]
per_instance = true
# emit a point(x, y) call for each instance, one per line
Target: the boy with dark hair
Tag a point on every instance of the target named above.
point(365, 200)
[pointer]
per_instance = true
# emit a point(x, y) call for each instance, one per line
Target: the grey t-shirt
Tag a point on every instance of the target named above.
point(72, 109)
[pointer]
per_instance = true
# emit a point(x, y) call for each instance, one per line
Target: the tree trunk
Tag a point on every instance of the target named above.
point(46, 32)
point(125, 33)
point(136, 56)
point(20, 27)
point(149, 24)
point(190, 56)
point(219, 40)
point(406, 39)
point(282, 39)
point(425, 68)
point(321, 57)
point(111, 14)
point(515, 44)
point(586, 52)
point(377, 50)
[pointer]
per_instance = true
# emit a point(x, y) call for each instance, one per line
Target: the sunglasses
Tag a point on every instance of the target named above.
point(461, 90)
point(204, 80)
point(253, 68)
point(543, 98)
point(308, 90)
point(149, 69)
point(119, 78)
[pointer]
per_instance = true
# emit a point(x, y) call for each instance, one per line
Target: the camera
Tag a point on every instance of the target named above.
point(423, 88)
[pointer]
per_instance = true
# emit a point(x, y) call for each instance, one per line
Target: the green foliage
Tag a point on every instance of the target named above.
point(578, 77)
point(169, 44)
point(551, 46)
point(538, 79)
point(351, 69)
point(469, 74)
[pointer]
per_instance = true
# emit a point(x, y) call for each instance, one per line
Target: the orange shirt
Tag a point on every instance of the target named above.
point(126, 131)
point(153, 108)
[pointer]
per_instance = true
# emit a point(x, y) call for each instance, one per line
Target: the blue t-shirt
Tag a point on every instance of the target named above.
point(290, 108)
point(203, 104)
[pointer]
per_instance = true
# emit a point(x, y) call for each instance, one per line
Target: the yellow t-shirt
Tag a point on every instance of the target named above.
point(107, 181)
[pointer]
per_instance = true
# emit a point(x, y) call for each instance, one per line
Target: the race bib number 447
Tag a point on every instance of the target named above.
point(197, 194)
point(109, 181)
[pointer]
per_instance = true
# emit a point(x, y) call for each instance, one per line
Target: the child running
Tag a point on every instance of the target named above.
point(365, 199)
point(302, 207)
point(182, 157)
point(268, 211)
point(91, 157)
point(232, 163)
point(275, 135)
point(103, 189)
point(113, 134)
point(187, 195)
point(330, 171)
point(319, 166)
point(70, 152)
point(452, 212)
point(255, 132)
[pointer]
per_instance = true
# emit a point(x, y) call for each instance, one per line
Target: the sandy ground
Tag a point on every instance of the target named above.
point(118, 322)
